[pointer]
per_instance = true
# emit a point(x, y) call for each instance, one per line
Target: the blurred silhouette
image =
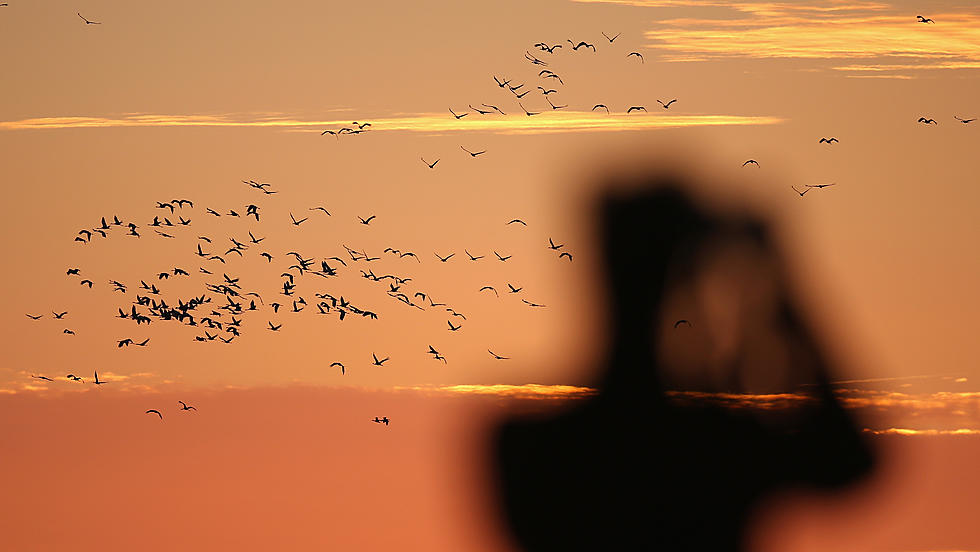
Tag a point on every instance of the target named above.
point(685, 436)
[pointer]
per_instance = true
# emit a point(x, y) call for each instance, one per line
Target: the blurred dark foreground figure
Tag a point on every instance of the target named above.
point(714, 394)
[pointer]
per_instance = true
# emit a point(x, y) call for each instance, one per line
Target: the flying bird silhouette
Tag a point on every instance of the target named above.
point(87, 22)
point(154, 411)
point(636, 108)
point(611, 39)
point(964, 120)
point(751, 162)
point(921, 19)
point(430, 165)
point(666, 105)
point(927, 121)
point(472, 154)
point(183, 406)
point(828, 140)
point(637, 54)
point(379, 362)
point(526, 112)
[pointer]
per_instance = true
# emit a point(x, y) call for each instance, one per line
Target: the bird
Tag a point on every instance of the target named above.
point(666, 105)
point(502, 258)
point(472, 154)
point(553, 106)
point(637, 54)
point(342, 370)
point(97, 380)
point(565, 254)
point(547, 91)
point(274, 327)
point(380, 420)
point(297, 222)
point(921, 19)
point(458, 117)
point(597, 106)
point(611, 39)
point(820, 185)
point(575, 47)
point(496, 356)
point(183, 406)
point(964, 121)
point(453, 328)
point(379, 362)
point(526, 112)
point(681, 321)
point(154, 411)
point(927, 121)
point(828, 140)
point(491, 288)
point(751, 162)
point(517, 221)
point(366, 221)
point(45, 378)
point(33, 317)
point(799, 192)
point(526, 302)
point(431, 165)
point(534, 61)
point(73, 377)
point(553, 245)
point(495, 108)
point(444, 259)
point(514, 289)
point(636, 108)
point(74, 271)
point(87, 22)
point(66, 331)
point(332, 133)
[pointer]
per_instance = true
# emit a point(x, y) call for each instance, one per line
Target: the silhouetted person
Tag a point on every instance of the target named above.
point(664, 457)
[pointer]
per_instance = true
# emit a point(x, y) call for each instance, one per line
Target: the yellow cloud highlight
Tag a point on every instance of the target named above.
point(525, 391)
point(563, 121)
point(915, 432)
point(817, 29)
point(805, 37)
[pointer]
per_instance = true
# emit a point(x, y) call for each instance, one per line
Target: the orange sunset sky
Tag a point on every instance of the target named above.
point(153, 102)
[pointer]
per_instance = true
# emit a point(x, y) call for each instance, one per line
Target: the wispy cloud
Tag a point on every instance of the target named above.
point(525, 391)
point(820, 29)
point(917, 432)
point(558, 121)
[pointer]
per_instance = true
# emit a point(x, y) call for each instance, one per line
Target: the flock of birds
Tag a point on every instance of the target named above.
point(217, 310)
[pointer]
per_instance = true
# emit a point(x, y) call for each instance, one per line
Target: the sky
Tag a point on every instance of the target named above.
point(191, 100)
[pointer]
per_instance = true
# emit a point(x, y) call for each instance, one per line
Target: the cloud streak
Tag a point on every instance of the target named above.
point(525, 391)
point(433, 123)
point(815, 30)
